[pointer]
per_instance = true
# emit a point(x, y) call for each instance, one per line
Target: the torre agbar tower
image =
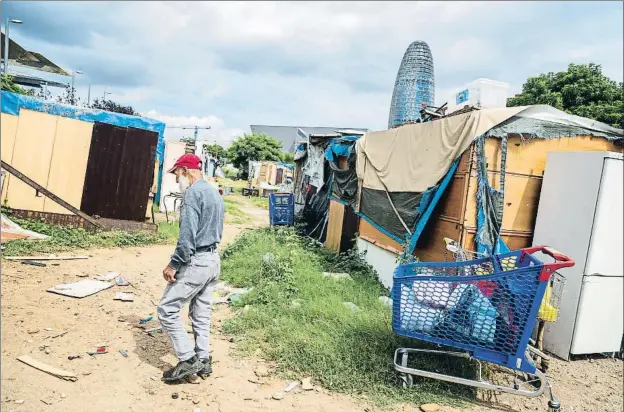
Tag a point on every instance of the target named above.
point(414, 87)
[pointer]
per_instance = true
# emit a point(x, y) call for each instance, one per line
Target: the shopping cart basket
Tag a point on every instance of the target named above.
point(486, 307)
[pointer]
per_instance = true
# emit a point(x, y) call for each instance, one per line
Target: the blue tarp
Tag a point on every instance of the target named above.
point(12, 103)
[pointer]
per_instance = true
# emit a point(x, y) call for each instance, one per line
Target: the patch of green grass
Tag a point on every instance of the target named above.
point(169, 230)
point(232, 208)
point(298, 320)
point(63, 238)
point(261, 202)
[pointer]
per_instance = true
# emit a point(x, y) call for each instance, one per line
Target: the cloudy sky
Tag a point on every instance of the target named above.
point(231, 64)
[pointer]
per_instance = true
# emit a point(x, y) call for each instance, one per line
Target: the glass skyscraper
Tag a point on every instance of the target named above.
point(414, 87)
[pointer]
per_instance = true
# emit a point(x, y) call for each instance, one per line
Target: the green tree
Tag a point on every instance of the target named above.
point(288, 157)
point(581, 90)
point(253, 147)
point(216, 150)
point(6, 82)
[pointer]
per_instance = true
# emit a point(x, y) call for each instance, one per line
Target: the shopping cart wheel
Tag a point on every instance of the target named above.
point(407, 380)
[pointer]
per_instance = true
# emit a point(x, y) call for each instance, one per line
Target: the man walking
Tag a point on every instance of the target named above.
point(193, 270)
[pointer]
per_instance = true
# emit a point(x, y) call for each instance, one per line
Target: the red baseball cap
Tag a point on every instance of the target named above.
point(188, 160)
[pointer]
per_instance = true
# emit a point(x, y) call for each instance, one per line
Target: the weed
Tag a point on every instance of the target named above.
point(298, 320)
point(62, 238)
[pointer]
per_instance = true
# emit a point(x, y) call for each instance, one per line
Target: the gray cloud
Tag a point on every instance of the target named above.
point(313, 63)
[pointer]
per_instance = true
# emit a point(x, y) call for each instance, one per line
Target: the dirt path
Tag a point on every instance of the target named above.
point(31, 318)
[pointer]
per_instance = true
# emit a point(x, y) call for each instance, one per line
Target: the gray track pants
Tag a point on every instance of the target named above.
point(195, 283)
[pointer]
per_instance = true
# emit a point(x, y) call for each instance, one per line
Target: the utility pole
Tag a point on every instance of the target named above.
point(89, 96)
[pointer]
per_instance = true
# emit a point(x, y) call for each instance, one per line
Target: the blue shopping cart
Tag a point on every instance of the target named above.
point(281, 209)
point(486, 307)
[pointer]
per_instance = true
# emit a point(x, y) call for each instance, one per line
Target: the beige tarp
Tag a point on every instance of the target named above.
point(414, 157)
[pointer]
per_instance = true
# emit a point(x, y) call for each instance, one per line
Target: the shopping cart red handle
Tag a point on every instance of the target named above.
point(561, 260)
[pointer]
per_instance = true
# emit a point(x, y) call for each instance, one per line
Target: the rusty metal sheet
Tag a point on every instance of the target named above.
point(119, 172)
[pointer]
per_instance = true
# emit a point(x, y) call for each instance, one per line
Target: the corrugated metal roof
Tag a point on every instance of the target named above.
point(288, 136)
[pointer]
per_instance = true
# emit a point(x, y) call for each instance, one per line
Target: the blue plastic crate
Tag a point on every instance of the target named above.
point(281, 209)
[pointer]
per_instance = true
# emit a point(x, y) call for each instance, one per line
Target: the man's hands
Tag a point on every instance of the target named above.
point(169, 274)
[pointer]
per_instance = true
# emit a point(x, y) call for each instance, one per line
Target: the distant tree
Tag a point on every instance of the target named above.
point(216, 150)
point(111, 106)
point(253, 147)
point(288, 157)
point(581, 90)
point(68, 96)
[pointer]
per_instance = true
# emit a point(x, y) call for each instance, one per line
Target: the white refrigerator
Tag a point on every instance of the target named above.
point(580, 214)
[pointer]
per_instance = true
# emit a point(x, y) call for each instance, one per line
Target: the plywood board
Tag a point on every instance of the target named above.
point(68, 164)
point(529, 156)
point(453, 202)
point(431, 246)
point(31, 156)
point(8, 130)
point(368, 232)
point(334, 225)
point(513, 240)
point(521, 200)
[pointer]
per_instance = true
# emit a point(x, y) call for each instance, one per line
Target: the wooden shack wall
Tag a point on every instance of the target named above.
point(456, 214)
point(51, 150)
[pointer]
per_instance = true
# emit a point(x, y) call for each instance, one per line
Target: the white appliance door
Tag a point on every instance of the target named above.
point(600, 320)
point(606, 244)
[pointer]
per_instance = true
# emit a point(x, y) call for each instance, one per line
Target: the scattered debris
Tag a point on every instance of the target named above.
point(337, 276)
point(49, 257)
point(32, 331)
point(306, 384)
point(59, 335)
point(154, 378)
point(261, 371)
point(124, 296)
point(19, 401)
point(63, 396)
point(430, 407)
point(145, 320)
point(193, 379)
point(59, 373)
point(46, 351)
point(386, 300)
point(108, 276)
point(121, 281)
point(12, 231)
point(175, 395)
point(46, 402)
point(81, 289)
point(278, 396)
point(123, 353)
point(100, 350)
point(195, 401)
point(154, 331)
point(34, 263)
point(352, 306)
point(49, 329)
point(72, 357)
point(291, 386)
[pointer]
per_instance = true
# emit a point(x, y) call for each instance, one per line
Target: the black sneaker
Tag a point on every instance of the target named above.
point(183, 369)
point(206, 369)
